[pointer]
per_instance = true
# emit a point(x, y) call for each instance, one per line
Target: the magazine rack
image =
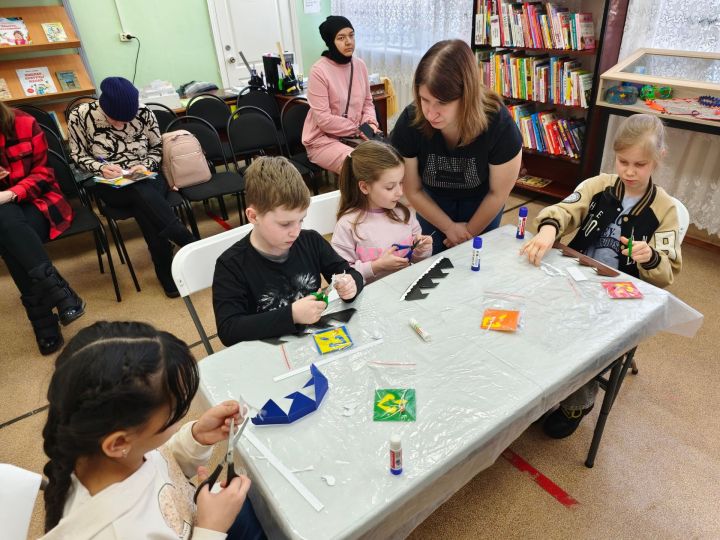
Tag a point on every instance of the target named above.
point(33, 17)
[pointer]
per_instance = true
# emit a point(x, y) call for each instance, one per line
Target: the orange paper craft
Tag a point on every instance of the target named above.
point(502, 320)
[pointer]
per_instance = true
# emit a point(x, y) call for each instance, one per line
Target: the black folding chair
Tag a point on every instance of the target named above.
point(163, 114)
point(292, 119)
point(43, 117)
point(84, 220)
point(253, 97)
point(221, 183)
point(54, 142)
point(75, 102)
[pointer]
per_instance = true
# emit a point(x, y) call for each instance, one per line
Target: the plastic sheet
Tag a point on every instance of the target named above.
point(476, 390)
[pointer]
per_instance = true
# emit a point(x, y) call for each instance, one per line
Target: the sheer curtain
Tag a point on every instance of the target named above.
point(392, 35)
point(691, 168)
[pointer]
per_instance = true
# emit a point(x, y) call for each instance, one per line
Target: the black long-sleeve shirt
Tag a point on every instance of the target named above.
point(253, 296)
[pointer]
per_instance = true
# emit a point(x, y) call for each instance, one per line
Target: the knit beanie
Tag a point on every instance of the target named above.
point(119, 99)
point(328, 30)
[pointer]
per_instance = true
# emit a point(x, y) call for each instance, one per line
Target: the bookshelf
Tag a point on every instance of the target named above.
point(63, 56)
point(547, 72)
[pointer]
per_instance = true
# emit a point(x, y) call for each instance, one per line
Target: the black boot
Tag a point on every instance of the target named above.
point(49, 285)
point(178, 234)
point(44, 323)
point(162, 256)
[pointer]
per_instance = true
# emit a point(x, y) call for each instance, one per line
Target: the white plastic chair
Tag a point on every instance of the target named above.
point(322, 213)
point(683, 219)
point(194, 266)
point(18, 491)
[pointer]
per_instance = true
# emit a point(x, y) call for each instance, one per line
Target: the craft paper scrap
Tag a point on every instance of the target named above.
point(394, 405)
point(302, 402)
point(621, 289)
point(502, 320)
point(332, 339)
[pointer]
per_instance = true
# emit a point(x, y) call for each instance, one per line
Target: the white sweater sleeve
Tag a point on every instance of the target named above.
point(189, 453)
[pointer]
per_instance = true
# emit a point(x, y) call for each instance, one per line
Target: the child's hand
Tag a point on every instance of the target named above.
point(424, 246)
point(536, 247)
point(345, 286)
point(389, 262)
point(641, 251)
point(218, 511)
point(456, 234)
point(307, 310)
point(214, 425)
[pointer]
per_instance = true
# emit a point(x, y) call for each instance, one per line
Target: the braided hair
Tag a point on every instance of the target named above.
point(111, 376)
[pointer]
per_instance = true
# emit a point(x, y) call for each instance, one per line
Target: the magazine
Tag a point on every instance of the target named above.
point(13, 32)
point(533, 181)
point(126, 179)
point(68, 80)
point(4, 90)
point(54, 32)
point(36, 81)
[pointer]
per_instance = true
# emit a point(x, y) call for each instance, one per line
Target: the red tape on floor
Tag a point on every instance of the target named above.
point(540, 479)
point(224, 224)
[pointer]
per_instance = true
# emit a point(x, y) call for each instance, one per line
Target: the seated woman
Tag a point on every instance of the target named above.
point(339, 97)
point(462, 148)
point(115, 134)
point(33, 211)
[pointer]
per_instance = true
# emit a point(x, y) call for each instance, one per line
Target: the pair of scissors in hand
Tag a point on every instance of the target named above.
point(324, 294)
point(228, 460)
point(410, 248)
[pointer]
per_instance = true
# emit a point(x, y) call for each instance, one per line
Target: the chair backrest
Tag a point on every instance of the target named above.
point(75, 102)
point(163, 114)
point(322, 212)
point(251, 130)
point(18, 492)
point(249, 97)
point(43, 118)
point(293, 117)
point(204, 132)
point(211, 108)
point(193, 268)
point(54, 142)
point(64, 176)
point(683, 218)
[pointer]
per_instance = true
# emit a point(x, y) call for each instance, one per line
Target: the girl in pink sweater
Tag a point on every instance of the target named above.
point(339, 97)
point(375, 232)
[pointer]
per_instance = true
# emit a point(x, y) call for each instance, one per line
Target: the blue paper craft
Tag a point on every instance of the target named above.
point(302, 405)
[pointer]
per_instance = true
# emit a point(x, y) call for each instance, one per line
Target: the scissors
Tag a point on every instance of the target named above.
point(411, 248)
point(228, 460)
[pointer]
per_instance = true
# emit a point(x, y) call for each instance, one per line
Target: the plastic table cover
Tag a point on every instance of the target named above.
point(476, 390)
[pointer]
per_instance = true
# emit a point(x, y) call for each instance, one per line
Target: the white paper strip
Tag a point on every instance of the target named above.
point(282, 469)
point(576, 273)
point(330, 358)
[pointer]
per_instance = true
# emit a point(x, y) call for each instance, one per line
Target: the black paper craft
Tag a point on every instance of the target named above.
point(425, 281)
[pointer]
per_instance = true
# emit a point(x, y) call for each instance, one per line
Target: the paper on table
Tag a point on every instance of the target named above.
point(18, 491)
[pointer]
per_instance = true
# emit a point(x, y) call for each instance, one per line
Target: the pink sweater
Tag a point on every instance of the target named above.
point(375, 234)
point(327, 95)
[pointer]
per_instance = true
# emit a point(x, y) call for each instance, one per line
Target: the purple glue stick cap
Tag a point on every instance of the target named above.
point(523, 211)
point(477, 242)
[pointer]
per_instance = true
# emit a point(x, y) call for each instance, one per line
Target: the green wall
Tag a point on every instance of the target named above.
point(176, 37)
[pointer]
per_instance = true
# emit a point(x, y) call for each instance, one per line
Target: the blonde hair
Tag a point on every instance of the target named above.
point(367, 163)
point(449, 71)
point(272, 182)
point(644, 130)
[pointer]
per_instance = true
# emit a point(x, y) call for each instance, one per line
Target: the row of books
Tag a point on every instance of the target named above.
point(533, 25)
point(13, 31)
point(38, 82)
point(549, 79)
point(545, 131)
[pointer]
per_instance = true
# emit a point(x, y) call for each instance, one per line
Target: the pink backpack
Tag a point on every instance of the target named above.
point(183, 162)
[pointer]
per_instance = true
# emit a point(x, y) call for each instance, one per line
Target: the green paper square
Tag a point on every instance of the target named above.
point(394, 405)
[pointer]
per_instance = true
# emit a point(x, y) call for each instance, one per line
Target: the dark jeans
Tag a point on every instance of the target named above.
point(23, 230)
point(246, 526)
point(459, 210)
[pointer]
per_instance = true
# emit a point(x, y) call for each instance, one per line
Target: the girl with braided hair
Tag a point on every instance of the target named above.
point(118, 460)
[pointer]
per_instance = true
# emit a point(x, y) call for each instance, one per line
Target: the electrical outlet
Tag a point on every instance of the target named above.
point(124, 36)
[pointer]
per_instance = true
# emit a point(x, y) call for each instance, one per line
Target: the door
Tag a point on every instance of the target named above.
point(253, 27)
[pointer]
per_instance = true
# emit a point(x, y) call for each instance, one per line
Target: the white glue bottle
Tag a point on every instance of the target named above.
point(477, 247)
point(395, 455)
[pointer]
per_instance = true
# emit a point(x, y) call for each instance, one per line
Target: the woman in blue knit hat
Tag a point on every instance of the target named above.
point(115, 134)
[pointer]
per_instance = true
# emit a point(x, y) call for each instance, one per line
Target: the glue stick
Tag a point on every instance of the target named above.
point(477, 247)
point(395, 455)
point(419, 330)
point(522, 219)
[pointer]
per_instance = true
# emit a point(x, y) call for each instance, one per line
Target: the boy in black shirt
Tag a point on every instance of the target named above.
point(262, 285)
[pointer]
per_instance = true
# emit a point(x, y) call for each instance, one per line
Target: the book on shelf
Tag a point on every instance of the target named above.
point(54, 32)
point(68, 80)
point(545, 131)
point(36, 81)
point(13, 32)
point(533, 181)
point(4, 90)
point(532, 25)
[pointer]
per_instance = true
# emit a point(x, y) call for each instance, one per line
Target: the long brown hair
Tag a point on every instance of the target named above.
point(449, 72)
point(7, 120)
point(367, 162)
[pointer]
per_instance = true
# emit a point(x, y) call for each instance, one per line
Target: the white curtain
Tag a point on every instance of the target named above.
point(691, 168)
point(392, 35)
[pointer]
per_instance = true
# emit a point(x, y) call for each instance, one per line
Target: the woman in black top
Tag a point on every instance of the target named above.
point(462, 148)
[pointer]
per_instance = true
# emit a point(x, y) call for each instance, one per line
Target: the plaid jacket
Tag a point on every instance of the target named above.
point(24, 156)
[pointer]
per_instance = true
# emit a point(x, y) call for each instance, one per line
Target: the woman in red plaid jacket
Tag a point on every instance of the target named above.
point(33, 211)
